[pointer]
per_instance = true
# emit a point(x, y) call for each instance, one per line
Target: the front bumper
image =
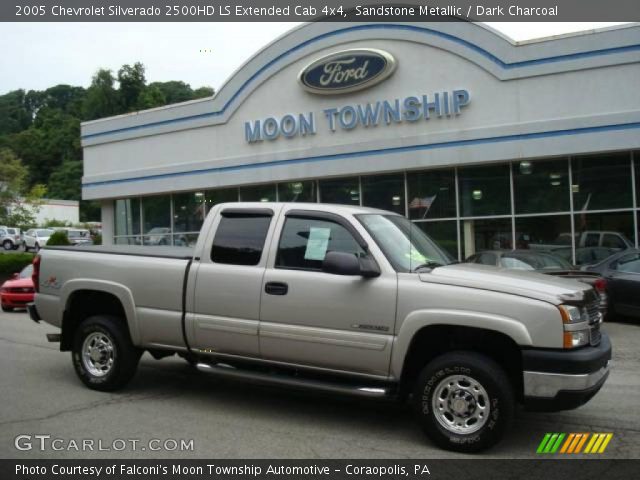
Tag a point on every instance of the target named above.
point(564, 379)
point(16, 300)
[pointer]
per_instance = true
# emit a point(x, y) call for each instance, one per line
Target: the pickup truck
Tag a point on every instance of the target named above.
point(334, 298)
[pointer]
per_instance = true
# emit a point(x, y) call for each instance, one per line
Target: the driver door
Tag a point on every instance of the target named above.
point(319, 319)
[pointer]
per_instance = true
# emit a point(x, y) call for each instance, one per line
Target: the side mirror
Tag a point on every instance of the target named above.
point(15, 276)
point(342, 263)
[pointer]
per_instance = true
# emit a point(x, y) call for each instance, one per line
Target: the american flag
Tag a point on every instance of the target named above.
point(424, 202)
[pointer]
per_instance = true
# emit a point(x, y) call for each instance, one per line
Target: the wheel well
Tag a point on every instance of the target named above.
point(84, 304)
point(435, 340)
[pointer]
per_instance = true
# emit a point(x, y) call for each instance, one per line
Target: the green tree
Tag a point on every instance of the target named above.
point(132, 84)
point(18, 203)
point(151, 97)
point(65, 181)
point(15, 115)
point(203, 92)
point(101, 99)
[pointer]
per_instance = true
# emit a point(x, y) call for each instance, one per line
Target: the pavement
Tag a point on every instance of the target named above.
point(167, 400)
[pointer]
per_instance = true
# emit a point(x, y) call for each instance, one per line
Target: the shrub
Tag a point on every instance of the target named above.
point(14, 262)
point(58, 238)
point(97, 240)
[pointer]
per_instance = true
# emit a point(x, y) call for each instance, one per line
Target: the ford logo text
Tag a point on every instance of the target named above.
point(347, 71)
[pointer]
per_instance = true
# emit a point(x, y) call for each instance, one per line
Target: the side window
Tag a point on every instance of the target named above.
point(305, 242)
point(610, 240)
point(592, 240)
point(239, 239)
point(629, 264)
point(487, 259)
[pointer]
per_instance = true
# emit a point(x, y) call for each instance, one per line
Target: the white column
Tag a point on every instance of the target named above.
point(108, 229)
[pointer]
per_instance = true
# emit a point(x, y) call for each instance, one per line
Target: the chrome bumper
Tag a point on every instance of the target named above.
point(548, 385)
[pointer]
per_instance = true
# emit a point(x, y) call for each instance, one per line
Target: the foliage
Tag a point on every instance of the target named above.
point(14, 262)
point(53, 223)
point(58, 238)
point(97, 240)
point(42, 129)
point(18, 203)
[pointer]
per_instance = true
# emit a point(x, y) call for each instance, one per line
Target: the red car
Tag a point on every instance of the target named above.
point(17, 291)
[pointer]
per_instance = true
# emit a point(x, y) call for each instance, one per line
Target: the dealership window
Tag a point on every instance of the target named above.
point(127, 216)
point(432, 194)
point(258, 193)
point(549, 233)
point(188, 211)
point(636, 161)
point(221, 195)
point(126, 240)
point(541, 186)
point(598, 235)
point(485, 234)
point(340, 190)
point(601, 182)
point(484, 191)
point(443, 233)
point(239, 239)
point(297, 191)
point(156, 220)
point(305, 242)
point(385, 192)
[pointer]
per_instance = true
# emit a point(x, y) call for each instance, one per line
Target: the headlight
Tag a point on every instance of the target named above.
point(576, 326)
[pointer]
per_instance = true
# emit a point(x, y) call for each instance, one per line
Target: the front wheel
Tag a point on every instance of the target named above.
point(36, 248)
point(7, 309)
point(7, 245)
point(103, 355)
point(465, 401)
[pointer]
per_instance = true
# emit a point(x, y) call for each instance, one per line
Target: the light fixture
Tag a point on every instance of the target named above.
point(297, 188)
point(525, 168)
point(199, 194)
point(264, 199)
point(477, 194)
point(395, 200)
point(555, 183)
point(575, 188)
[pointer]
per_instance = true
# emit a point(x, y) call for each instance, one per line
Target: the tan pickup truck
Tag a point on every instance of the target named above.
point(336, 298)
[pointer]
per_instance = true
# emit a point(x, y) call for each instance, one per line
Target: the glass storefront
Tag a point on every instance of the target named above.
point(581, 208)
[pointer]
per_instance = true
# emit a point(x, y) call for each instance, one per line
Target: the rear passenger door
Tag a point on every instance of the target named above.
point(228, 284)
point(318, 319)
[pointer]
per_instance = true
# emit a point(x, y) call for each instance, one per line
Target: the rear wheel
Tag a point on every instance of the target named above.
point(7, 245)
point(465, 401)
point(103, 355)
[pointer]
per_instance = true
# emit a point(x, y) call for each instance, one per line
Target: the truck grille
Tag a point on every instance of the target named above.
point(595, 318)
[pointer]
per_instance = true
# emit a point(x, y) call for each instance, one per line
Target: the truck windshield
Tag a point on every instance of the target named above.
point(405, 245)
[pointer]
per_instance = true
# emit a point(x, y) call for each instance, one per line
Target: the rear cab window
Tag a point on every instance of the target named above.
point(240, 236)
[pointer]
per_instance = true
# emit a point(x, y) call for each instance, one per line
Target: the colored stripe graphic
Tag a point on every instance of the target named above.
point(574, 443)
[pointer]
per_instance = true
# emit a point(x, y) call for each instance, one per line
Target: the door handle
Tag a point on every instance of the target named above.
point(276, 288)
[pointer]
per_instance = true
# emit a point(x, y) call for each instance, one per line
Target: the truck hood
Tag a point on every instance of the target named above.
point(516, 282)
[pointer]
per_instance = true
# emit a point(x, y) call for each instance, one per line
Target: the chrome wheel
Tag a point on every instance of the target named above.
point(461, 404)
point(97, 354)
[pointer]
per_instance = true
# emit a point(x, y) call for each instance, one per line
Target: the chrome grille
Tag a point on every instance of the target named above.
point(595, 317)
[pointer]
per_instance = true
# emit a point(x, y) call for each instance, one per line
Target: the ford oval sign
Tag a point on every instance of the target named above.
point(347, 71)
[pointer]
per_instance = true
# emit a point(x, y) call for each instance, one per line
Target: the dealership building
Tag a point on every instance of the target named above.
point(483, 142)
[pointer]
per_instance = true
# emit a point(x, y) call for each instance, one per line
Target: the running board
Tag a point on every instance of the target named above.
point(227, 371)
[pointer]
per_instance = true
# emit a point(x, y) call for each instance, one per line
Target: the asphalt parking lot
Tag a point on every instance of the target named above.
point(40, 394)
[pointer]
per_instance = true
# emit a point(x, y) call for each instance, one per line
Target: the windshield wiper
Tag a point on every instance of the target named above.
point(430, 264)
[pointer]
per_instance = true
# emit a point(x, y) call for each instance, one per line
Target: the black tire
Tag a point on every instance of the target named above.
point(7, 309)
point(26, 249)
point(7, 245)
point(36, 248)
point(490, 376)
point(125, 356)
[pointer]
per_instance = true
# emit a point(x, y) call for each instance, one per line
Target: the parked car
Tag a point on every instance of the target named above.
point(622, 272)
point(77, 236)
point(10, 238)
point(18, 291)
point(336, 298)
point(158, 236)
point(542, 262)
point(36, 238)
